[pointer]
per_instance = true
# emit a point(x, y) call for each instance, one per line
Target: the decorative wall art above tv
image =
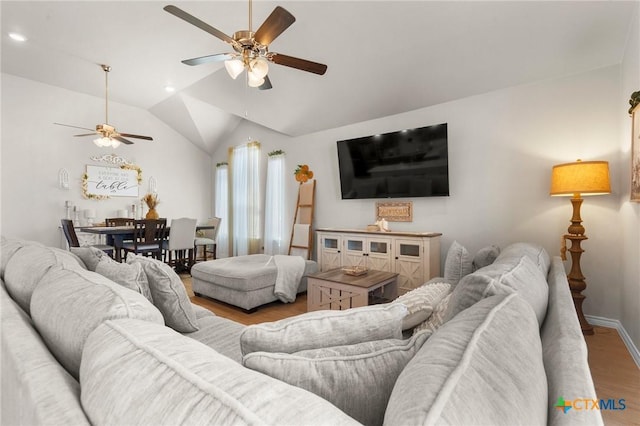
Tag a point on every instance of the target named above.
point(406, 163)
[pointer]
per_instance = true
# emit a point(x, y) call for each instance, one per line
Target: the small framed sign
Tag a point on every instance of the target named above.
point(395, 212)
point(102, 182)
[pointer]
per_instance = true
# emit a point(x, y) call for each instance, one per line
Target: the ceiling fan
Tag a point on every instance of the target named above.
point(251, 48)
point(109, 136)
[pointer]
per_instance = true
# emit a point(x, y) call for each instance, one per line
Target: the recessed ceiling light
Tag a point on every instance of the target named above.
point(17, 37)
point(169, 89)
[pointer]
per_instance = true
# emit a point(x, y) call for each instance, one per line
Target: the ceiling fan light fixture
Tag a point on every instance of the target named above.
point(259, 67)
point(106, 142)
point(254, 81)
point(234, 67)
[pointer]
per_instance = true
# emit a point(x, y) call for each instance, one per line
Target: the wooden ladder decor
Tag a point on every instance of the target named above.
point(301, 232)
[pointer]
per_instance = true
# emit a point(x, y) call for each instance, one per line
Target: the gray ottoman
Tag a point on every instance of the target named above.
point(243, 281)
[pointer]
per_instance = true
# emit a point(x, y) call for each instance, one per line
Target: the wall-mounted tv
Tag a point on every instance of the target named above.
point(406, 163)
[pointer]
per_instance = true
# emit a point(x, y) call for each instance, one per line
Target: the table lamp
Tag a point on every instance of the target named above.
point(576, 179)
point(90, 214)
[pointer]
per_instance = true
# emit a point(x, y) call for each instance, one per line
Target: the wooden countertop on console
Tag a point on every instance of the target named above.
point(397, 233)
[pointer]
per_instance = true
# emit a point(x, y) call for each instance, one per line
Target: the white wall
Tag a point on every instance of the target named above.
point(34, 149)
point(502, 146)
point(629, 216)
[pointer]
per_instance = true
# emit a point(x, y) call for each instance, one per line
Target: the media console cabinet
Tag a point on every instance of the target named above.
point(414, 256)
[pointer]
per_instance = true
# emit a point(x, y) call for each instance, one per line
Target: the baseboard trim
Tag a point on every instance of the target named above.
point(613, 323)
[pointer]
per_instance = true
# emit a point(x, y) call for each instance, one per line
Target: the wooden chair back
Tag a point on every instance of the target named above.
point(70, 233)
point(119, 221)
point(149, 231)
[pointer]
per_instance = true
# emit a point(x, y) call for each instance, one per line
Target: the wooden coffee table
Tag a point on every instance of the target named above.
point(336, 290)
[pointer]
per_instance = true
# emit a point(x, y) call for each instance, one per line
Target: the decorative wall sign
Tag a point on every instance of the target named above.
point(101, 182)
point(395, 211)
point(635, 153)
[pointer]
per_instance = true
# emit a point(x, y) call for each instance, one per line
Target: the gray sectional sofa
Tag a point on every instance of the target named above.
point(88, 342)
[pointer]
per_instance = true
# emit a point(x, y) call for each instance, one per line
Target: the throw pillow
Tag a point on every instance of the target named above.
point(420, 302)
point(131, 276)
point(437, 317)
point(488, 351)
point(321, 329)
point(68, 305)
point(506, 276)
point(168, 294)
point(89, 255)
point(358, 379)
point(485, 257)
point(457, 264)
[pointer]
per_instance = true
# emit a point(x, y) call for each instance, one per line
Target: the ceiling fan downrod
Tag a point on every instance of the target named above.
point(106, 69)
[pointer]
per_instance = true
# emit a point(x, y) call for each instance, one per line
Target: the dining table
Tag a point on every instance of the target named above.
point(116, 235)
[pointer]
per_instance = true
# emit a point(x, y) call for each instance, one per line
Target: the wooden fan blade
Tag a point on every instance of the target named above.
point(129, 135)
point(210, 58)
point(75, 127)
point(88, 134)
point(279, 20)
point(301, 64)
point(200, 24)
point(266, 85)
point(123, 140)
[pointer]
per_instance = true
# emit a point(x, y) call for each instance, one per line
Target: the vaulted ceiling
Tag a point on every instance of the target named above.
point(383, 57)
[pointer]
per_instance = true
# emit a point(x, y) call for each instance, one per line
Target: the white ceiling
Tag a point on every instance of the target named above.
point(383, 57)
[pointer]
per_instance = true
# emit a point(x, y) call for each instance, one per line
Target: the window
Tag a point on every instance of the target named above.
point(275, 235)
point(222, 209)
point(245, 198)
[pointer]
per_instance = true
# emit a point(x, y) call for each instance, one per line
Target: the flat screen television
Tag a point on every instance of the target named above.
point(406, 163)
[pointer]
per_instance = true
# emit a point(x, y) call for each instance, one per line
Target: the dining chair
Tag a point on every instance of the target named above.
point(208, 238)
point(148, 238)
point(180, 243)
point(119, 221)
point(72, 238)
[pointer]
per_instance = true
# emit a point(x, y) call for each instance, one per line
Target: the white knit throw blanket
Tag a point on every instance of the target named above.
point(290, 271)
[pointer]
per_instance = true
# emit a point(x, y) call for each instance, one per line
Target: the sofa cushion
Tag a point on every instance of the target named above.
point(485, 257)
point(131, 276)
point(171, 379)
point(89, 255)
point(28, 265)
point(36, 389)
point(68, 304)
point(321, 329)
point(503, 276)
point(8, 248)
point(358, 378)
point(457, 263)
point(536, 253)
point(421, 301)
point(482, 367)
point(168, 294)
point(221, 334)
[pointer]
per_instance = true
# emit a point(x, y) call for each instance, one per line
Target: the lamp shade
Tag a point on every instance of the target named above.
point(234, 67)
point(581, 177)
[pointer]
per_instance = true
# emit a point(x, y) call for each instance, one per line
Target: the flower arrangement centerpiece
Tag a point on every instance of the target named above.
point(303, 173)
point(152, 201)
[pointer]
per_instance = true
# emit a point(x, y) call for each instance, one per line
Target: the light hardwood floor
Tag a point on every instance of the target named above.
point(614, 372)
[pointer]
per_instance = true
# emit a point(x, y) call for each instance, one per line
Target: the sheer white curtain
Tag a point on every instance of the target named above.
point(245, 204)
point(275, 234)
point(222, 209)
